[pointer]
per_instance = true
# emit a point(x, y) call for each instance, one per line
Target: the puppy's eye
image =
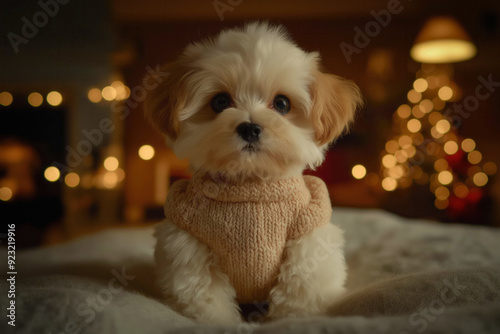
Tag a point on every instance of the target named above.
point(220, 102)
point(281, 104)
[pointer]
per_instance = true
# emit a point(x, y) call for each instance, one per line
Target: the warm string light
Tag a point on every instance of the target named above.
point(107, 178)
point(113, 174)
point(35, 99)
point(117, 90)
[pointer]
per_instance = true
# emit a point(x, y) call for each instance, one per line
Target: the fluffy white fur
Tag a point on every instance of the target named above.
point(312, 276)
point(190, 280)
point(253, 65)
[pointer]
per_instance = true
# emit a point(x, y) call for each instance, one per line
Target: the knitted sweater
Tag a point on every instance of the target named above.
point(246, 225)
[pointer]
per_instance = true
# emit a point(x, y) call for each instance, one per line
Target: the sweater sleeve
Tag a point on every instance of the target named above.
point(316, 213)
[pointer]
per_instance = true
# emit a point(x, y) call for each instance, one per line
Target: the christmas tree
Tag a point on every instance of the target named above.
point(426, 148)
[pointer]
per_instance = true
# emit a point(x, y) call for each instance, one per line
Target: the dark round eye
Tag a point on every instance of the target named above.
point(281, 104)
point(220, 102)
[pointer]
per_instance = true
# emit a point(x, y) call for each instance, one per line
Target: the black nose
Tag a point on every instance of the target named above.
point(250, 132)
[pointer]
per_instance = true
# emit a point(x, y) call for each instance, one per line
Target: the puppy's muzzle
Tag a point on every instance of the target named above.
point(250, 132)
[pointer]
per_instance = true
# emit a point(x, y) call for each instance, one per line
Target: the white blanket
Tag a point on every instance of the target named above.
point(405, 276)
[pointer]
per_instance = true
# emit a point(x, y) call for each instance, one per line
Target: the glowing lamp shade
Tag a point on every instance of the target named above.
point(442, 40)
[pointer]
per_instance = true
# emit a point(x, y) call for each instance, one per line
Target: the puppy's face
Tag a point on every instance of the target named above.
point(251, 104)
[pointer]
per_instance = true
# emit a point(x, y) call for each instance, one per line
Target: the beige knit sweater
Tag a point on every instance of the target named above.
point(246, 225)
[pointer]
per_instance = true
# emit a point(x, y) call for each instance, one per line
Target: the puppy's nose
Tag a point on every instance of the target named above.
point(250, 132)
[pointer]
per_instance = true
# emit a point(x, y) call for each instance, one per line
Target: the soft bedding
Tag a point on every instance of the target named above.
point(404, 276)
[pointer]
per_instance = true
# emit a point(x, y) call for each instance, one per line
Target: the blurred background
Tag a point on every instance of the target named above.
point(77, 156)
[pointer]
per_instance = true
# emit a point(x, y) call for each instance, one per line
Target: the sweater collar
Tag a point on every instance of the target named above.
point(251, 191)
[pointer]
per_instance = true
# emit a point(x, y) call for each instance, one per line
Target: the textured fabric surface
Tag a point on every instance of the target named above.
point(404, 276)
point(247, 225)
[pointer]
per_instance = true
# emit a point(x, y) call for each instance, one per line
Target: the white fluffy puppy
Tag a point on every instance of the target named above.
point(251, 111)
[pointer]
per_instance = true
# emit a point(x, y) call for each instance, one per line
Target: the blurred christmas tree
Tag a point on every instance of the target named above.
point(427, 150)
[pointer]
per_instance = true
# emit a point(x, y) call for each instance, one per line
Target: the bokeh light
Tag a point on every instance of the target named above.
point(480, 179)
point(474, 157)
point(72, 180)
point(445, 177)
point(35, 99)
point(389, 160)
point(404, 111)
point(490, 168)
point(411, 151)
point(401, 156)
point(442, 193)
point(6, 99)
point(120, 174)
point(441, 204)
point(121, 91)
point(414, 96)
point(461, 190)
point(389, 184)
point(445, 93)
point(54, 98)
point(450, 147)
point(440, 165)
point(146, 152)
point(417, 112)
point(426, 105)
point(404, 141)
point(468, 145)
point(52, 174)
point(396, 172)
point(420, 85)
point(95, 95)
point(5, 194)
point(391, 146)
point(111, 163)
point(110, 180)
point(443, 126)
point(358, 171)
point(414, 125)
point(108, 93)
point(435, 133)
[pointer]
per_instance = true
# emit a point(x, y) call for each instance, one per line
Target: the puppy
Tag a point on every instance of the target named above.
point(251, 111)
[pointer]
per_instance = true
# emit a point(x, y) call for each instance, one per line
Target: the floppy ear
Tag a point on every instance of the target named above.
point(335, 101)
point(164, 102)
